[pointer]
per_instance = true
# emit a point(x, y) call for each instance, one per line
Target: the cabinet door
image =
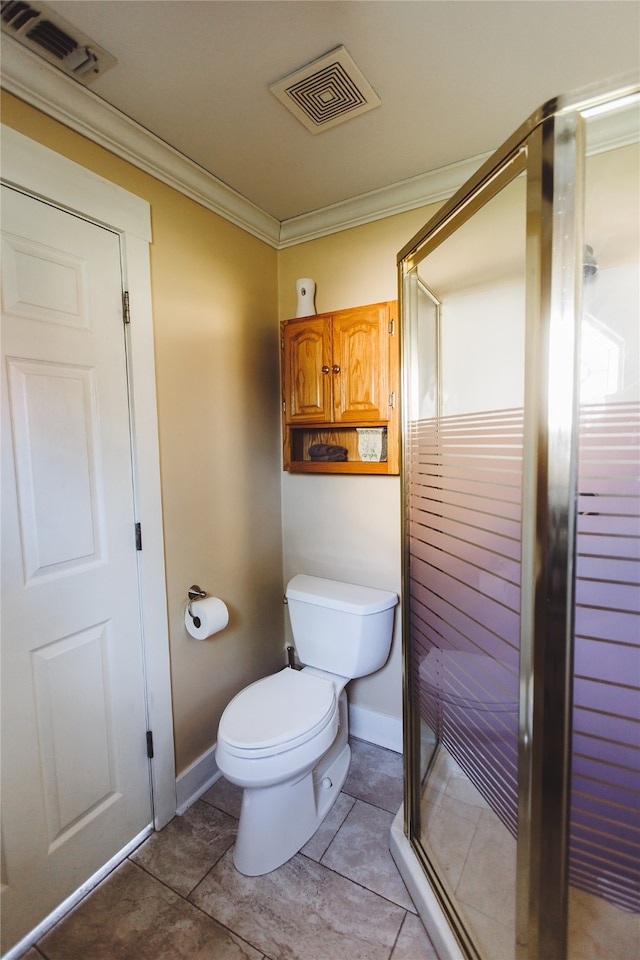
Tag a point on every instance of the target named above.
point(306, 370)
point(360, 369)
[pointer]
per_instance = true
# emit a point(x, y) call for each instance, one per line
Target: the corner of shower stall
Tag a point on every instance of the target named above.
point(428, 906)
point(520, 301)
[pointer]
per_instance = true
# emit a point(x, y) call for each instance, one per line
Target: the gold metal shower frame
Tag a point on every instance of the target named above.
point(549, 148)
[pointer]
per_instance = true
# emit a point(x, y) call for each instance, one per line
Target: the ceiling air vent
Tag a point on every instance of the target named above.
point(326, 92)
point(54, 39)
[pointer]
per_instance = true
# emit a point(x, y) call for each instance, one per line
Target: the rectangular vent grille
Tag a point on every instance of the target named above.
point(54, 39)
point(326, 92)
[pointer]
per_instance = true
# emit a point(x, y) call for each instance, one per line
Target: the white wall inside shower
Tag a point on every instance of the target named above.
point(482, 350)
point(610, 356)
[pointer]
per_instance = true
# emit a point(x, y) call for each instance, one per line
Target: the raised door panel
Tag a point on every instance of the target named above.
point(361, 356)
point(75, 772)
point(306, 366)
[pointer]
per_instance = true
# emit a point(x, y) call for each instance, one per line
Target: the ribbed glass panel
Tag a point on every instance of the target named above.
point(605, 825)
point(464, 512)
point(464, 480)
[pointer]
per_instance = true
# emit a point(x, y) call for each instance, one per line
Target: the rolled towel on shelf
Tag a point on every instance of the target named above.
point(327, 452)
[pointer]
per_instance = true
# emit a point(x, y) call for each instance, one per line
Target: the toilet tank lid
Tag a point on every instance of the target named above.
point(347, 597)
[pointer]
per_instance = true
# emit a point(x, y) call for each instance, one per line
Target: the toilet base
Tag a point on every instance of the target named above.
point(276, 822)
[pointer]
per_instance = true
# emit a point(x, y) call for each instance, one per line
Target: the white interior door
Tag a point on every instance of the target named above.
point(75, 774)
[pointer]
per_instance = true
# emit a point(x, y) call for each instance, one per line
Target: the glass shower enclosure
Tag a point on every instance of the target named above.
point(520, 836)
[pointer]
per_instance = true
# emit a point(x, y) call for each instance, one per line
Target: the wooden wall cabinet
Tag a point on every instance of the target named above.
point(340, 372)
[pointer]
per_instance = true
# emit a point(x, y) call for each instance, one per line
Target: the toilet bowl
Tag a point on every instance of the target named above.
point(277, 728)
point(291, 775)
point(284, 738)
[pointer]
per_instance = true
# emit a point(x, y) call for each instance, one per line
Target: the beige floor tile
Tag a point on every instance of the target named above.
point(360, 851)
point(488, 880)
point(449, 838)
point(448, 789)
point(460, 788)
point(433, 794)
point(446, 766)
point(413, 942)
point(132, 916)
point(307, 910)
point(302, 911)
point(598, 930)
point(435, 783)
point(375, 776)
point(449, 803)
point(187, 847)
point(496, 940)
point(427, 813)
point(225, 796)
point(317, 845)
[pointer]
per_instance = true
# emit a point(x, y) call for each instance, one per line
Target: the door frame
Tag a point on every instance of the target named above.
point(41, 172)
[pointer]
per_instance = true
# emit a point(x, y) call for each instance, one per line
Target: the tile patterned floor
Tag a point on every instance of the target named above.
point(178, 896)
point(477, 855)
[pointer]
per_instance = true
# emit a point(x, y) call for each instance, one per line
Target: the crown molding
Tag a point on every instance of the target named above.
point(433, 187)
point(43, 86)
point(610, 132)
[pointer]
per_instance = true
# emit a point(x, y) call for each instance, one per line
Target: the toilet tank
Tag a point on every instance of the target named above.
point(340, 627)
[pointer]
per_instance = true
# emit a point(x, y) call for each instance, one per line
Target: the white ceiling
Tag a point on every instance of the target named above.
point(455, 79)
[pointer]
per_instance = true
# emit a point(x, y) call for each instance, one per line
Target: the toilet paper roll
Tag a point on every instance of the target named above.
point(213, 615)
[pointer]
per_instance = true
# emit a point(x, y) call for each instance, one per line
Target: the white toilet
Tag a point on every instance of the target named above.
point(285, 737)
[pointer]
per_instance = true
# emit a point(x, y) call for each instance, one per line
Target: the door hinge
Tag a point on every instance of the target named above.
point(138, 527)
point(149, 744)
point(282, 343)
point(392, 328)
point(126, 313)
point(392, 400)
point(284, 406)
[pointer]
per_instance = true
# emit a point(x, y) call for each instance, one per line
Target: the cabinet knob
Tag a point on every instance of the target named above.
point(325, 369)
point(335, 368)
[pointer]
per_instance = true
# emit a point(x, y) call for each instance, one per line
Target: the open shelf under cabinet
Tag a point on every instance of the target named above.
point(298, 440)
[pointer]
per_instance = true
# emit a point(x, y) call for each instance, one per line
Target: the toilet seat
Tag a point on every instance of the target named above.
point(277, 713)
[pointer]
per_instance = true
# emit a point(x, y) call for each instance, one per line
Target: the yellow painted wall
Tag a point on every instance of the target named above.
point(349, 527)
point(233, 520)
point(214, 291)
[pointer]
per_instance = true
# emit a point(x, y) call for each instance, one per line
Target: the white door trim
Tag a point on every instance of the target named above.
point(42, 172)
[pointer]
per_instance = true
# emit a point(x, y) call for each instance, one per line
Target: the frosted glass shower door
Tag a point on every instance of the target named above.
point(604, 864)
point(463, 466)
point(521, 506)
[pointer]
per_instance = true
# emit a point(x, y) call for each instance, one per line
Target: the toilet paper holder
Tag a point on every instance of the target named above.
point(195, 593)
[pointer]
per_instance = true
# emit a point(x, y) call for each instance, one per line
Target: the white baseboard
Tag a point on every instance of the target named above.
point(196, 780)
point(378, 728)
